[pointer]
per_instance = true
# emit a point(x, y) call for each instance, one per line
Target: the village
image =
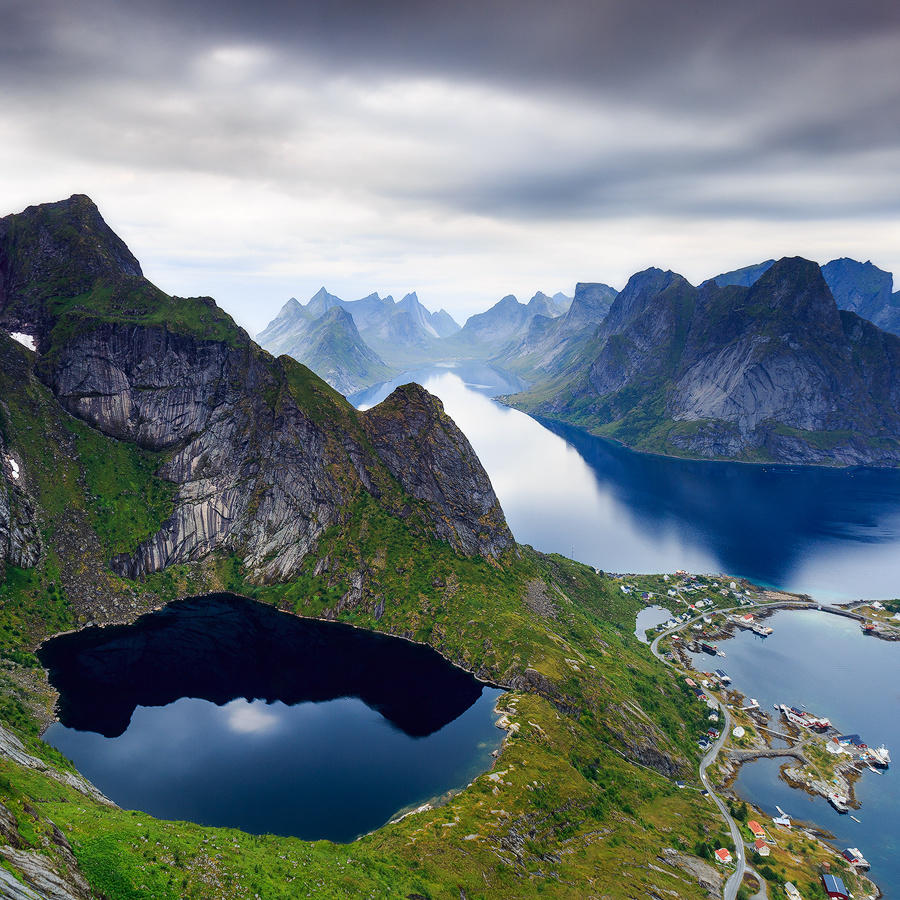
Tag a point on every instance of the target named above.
point(819, 758)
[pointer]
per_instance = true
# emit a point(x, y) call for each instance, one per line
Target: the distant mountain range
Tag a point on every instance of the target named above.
point(773, 371)
point(354, 344)
point(778, 361)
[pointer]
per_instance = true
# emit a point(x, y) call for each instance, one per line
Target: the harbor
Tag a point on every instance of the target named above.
point(812, 741)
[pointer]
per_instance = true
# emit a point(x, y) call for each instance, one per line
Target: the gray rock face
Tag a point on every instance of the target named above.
point(411, 422)
point(20, 540)
point(255, 471)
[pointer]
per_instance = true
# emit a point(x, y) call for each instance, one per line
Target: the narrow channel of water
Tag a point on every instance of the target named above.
point(223, 711)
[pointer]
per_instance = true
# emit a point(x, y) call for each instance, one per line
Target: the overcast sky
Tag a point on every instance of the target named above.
point(258, 150)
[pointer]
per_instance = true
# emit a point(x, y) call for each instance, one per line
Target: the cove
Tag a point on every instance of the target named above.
point(826, 664)
point(222, 711)
point(833, 533)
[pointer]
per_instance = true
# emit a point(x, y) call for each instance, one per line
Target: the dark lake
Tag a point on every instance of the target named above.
point(834, 533)
point(223, 711)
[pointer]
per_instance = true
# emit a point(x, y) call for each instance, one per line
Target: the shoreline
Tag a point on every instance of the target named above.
point(837, 467)
point(849, 770)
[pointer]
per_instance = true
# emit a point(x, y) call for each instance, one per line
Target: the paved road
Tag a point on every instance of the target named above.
point(734, 881)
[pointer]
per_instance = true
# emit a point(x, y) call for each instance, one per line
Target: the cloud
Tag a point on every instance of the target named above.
point(245, 717)
point(256, 150)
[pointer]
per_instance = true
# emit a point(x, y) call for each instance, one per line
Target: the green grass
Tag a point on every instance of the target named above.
point(128, 503)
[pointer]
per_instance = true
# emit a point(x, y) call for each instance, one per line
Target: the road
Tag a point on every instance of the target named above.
point(734, 881)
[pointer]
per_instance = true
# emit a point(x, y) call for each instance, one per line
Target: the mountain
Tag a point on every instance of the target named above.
point(444, 324)
point(744, 277)
point(865, 289)
point(862, 288)
point(507, 320)
point(386, 336)
point(332, 347)
point(561, 302)
point(771, 372)
point(150, 450)
point(549, 344)
point(328, 343)
point(262, 455)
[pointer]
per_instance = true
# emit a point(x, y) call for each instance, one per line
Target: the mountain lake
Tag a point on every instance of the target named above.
point(226, 712)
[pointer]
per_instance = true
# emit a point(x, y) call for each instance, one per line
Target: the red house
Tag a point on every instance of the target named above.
point(834, 887)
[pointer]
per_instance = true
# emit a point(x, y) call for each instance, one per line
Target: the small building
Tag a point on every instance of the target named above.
point(756, 829)
point(792, 892)
point(834, 887)
point(724, 856)
point(761, 847)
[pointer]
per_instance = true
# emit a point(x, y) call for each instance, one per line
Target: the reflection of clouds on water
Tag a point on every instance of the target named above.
point(245, 717)
point(552, 498)
point(832, 533)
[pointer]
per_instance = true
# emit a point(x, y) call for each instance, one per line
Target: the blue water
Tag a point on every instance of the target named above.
point(225, 712)
point(825, 663)
point(831, 533)
point(650, 617)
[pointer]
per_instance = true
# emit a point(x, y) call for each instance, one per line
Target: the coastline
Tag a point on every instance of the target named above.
point(848, 770)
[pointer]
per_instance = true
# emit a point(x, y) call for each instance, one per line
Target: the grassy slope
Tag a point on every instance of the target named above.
point(589, 804)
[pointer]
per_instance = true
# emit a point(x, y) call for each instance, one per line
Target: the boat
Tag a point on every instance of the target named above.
point(879, 756)
point(839, 802)
point(711, 649)
point(855, 858)
point(804, 718)
point(762, 630)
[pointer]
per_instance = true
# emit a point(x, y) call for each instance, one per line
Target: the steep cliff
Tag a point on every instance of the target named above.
point(770, 372)
point(264, 456)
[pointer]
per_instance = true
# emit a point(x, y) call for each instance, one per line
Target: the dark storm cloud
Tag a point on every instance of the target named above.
point(388, 121)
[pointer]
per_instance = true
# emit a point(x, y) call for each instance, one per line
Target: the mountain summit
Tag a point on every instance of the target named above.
point(774, 371)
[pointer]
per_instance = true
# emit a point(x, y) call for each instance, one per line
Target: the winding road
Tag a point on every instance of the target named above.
point(734, 880)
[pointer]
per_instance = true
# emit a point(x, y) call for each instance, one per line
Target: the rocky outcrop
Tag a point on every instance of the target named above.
point(412, 423)
point(265, 456)
point(20, 540)
point(770, 372)
point(12, 749)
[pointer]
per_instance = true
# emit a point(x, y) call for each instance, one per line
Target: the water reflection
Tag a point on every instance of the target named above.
point(833, 533)
point(227, 712)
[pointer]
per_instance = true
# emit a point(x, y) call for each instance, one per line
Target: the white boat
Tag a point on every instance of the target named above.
point(879, 756)
point(839, 802)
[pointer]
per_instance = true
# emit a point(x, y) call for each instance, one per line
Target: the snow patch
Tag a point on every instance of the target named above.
point(26, 340)
point(13, 467)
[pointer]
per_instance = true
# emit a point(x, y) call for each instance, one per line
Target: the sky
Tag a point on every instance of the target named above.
point(465, 150)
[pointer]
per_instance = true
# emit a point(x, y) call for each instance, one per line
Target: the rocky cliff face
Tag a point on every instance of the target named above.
point(412, 423)
point(20, 541)
point(770, 372)
point(264, 454)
